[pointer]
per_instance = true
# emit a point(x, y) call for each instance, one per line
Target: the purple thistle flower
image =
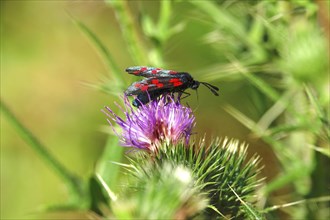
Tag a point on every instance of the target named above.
point(161, 121)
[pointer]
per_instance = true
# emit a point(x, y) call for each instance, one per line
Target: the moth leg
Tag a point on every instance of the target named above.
point(186, 94)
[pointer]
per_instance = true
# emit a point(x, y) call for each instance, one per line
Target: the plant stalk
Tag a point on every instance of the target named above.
point(72, 181)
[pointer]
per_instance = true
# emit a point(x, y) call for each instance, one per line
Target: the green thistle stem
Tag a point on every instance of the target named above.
point(129, 31)
point(106, 168)
point(72, 181)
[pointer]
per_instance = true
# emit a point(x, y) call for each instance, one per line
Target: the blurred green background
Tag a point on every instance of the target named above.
point(47, 60)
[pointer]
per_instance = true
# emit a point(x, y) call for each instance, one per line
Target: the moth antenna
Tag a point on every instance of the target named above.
point(212, 88)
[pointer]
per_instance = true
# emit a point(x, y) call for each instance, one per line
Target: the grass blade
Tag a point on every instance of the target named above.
point(73, 182)
point(104, 52)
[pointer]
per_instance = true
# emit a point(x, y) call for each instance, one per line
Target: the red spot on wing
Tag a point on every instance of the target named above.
point(177, 83)
point(174, 80)
point(144, 87)
point(155, 71)
point(157, 83)
point(142, 69)
point(154, 81)
point(172, 72)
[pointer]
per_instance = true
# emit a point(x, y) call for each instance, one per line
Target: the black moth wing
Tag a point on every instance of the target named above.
point(149, 72)
point(166, 84)
point(134, 88)
point(144, 98)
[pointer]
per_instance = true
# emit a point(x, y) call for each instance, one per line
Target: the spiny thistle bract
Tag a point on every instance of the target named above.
point(219, 170)
point(167, 192)
point(219, 181)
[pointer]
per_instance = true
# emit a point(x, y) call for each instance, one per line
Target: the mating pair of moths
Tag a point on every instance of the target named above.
point(159, 81)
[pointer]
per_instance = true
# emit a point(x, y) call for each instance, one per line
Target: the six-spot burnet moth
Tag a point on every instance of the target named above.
point(159, 81)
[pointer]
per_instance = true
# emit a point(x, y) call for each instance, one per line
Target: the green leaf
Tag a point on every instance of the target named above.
point(99, 199)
